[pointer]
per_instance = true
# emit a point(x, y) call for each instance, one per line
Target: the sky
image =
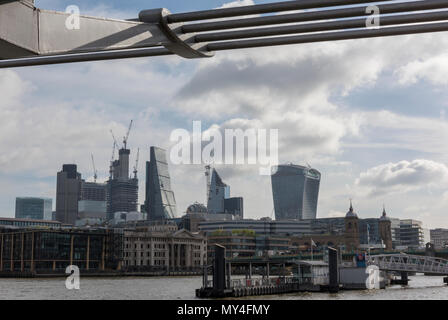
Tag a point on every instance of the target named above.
point(369, 114)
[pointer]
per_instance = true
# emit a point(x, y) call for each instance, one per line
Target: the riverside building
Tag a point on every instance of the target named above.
point(161, 246)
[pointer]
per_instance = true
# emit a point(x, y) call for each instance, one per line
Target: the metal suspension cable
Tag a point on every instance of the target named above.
point(321, 26)
point(396, 18)
point(330, 36)
point(262, 8)
point(314, 15)
point(85, 57)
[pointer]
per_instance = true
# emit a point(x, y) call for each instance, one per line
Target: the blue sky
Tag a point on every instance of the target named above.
point(369, 114)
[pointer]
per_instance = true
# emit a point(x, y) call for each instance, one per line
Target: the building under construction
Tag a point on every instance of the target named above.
point(122, 190)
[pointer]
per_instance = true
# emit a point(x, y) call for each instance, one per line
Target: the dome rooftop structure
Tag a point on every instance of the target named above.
point(351, 213)
point(197, 208)
point(384, 216)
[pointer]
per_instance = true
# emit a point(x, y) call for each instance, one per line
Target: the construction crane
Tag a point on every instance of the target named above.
point(125, 139)
point(136, 164)
point(115, 144)
point(111, 170)
point(95, 172)
point(115, 140)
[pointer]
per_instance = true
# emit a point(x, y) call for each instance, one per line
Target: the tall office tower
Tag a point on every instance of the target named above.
point(219, 191)
point(122, 191)
point(68, 192)
point(295, 191)
point(219, 200)
point(92, 203)
point(160, 202)
point(34, 208)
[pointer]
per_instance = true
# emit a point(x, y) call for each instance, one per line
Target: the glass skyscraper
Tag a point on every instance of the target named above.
point(34, 208)
point(160, 201)
point(219, 200)
point(295, 191)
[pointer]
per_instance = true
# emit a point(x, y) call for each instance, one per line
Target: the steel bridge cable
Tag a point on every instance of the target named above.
point(321, 26)
point(330, 36)
point(263, 8)
point(85, 57)
point(314, 16)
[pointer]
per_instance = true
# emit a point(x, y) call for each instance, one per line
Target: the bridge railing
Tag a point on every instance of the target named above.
point(411, 263)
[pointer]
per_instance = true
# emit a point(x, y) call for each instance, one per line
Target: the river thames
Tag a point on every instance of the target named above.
point(183, 288)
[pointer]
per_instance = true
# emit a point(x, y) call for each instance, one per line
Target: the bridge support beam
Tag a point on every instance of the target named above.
point(403, 279)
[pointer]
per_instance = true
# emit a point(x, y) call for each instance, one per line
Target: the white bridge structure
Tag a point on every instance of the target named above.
point(409, 263)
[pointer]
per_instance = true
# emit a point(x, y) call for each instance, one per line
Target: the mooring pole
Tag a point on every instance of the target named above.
point(333, 270)
point(219, 270)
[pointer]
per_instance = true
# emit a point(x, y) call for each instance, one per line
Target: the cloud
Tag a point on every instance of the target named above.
point(433, 69)
point(403, 176)
point(237, 3)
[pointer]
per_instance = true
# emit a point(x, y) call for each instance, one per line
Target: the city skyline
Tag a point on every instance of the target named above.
point(366, 113)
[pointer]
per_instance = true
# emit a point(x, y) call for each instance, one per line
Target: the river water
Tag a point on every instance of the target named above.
point(172, 288)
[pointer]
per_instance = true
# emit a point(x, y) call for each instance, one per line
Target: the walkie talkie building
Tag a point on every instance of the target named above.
point(295, 191)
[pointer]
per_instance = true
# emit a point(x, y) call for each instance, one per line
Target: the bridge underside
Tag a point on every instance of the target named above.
point(31, 36)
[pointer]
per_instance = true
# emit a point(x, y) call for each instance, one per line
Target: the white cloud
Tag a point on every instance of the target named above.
point(237, 3)
point(433, 69)
point(403, 176)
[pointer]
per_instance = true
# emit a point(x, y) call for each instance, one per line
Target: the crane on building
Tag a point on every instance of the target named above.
point(136, 164)
point(111, 168)
point(125, 139)
point(115, 140)
point(115, 144)
point(95, 172)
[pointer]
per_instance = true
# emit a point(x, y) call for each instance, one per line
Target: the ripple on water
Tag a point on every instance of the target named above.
point(420, 287)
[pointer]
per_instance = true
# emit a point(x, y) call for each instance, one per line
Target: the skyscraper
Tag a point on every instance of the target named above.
point(218, 192)
point(68, 191)
point(160, 202)
point(219, 200)
point(92, 203)
point(295, 191)
point(122, 191)
point(34, 208)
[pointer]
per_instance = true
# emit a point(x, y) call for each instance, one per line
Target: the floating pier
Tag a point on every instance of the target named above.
point(315, 276)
